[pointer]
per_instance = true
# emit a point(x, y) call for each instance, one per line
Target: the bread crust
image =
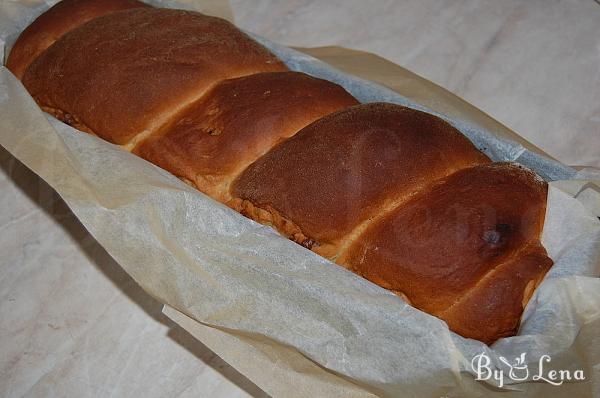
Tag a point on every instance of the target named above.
point(465, 249)
point(347, 168)
point(61, 18)
point(135, 69)
point(212, 141)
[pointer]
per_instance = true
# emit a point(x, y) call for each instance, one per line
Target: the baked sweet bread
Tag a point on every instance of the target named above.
point(396, 195)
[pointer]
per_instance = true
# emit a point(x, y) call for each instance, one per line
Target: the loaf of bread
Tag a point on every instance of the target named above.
point(396, 195)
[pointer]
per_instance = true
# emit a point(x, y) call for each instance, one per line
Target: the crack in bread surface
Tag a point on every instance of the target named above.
point(333, 251)
point(387, 207)
point(158, 126)
point(268, 215)
point(68, 118)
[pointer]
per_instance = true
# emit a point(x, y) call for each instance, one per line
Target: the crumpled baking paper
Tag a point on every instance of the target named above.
point(293, 322)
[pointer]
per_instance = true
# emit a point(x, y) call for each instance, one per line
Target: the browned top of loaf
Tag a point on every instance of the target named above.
point(128, 72)
point(349, 166)
point(478, 227)
point(64, 16)
point(239, 120)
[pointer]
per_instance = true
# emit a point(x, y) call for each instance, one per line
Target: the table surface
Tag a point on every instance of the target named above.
point(72, 323)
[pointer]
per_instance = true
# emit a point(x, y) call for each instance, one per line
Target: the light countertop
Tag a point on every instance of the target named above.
point(72, 323)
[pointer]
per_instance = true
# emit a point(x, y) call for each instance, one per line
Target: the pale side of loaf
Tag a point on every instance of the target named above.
point(398, 196)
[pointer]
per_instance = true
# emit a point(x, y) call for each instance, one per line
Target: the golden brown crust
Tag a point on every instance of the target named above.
point(136, 68)
point(341, 170)
point(396, 195)
point(493, 308)
point(238, 121)
point(63, 17)
point(472, 239)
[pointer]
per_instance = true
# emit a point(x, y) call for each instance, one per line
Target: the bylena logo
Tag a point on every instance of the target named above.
point(519, 370)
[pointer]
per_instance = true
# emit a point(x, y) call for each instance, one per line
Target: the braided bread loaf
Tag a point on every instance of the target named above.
point(395, 195)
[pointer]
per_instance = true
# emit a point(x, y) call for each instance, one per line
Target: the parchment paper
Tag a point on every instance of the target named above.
point(293, 322)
